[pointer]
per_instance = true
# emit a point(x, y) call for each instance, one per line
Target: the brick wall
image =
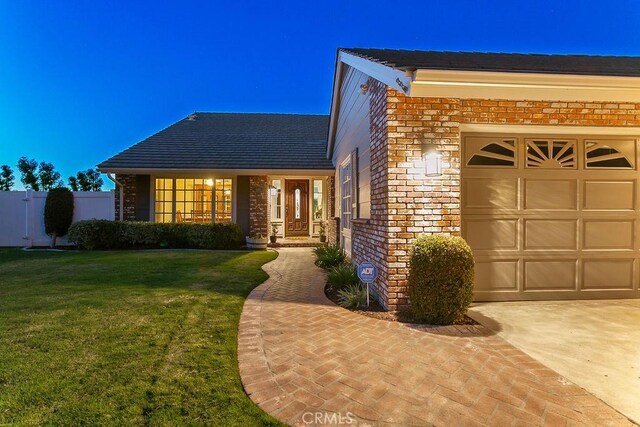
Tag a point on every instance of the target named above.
point(129, 200)
point(259, 205)
point(370, 236)
point(417, 205)
point(333, 222)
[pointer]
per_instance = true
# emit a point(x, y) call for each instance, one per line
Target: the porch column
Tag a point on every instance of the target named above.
point(258, 205)
point(333, 222)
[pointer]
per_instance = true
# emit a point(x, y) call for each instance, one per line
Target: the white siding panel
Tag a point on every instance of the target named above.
point(352, 131)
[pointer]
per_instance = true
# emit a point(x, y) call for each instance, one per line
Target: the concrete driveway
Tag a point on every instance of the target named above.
point(595, 344)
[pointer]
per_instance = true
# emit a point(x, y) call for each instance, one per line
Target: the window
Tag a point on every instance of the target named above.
point(276, 199)
point(346, 187)
point(223, 200)
point(164, 200)
point(604, 155)
point(496, 153)
point(551, 154)
point(317, 199)
point(192, 200)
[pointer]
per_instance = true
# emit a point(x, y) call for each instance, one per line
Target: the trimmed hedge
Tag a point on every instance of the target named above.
point(58, 212)
point(440, 279)
point(103, 234)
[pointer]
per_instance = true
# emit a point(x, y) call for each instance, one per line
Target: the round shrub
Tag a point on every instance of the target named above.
point(440, 279)
point(342, 276)
point(58, 212)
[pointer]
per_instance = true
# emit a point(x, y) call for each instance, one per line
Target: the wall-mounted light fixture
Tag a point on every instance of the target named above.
point(432, 160)
point(273, 191)
point(210, 182)
point(364, 88)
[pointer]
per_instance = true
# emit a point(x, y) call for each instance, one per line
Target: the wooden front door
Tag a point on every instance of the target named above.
point(297, 207)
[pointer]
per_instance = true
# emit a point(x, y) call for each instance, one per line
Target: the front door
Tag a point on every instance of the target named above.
point(297, 207)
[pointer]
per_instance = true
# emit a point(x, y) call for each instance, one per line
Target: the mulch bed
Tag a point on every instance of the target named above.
point(376, 311)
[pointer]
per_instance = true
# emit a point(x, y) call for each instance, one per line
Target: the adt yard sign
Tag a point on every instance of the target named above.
point(367, 273)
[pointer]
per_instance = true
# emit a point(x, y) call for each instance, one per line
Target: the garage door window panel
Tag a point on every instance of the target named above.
point(551, 154)
point(493, 152)
point(609, 154)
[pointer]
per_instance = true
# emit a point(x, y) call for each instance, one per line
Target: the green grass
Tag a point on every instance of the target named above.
point(124, 338)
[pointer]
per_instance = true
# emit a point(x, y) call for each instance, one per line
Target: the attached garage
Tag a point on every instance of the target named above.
point(551, 216)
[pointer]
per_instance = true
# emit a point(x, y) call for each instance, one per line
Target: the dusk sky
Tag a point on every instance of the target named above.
point(81, 81)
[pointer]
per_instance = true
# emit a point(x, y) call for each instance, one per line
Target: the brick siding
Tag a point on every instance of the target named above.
point(405, 204)
point(129, 199)
point(259, 205)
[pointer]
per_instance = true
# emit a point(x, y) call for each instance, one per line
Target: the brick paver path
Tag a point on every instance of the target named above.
point(302, 357)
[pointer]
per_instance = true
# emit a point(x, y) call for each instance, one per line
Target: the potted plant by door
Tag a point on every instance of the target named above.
point(323, 232)
point(274, 232)
point(257, 241)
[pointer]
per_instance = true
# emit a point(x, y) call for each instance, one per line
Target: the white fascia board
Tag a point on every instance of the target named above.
point(335, 107)
point(524, 86)
point(397, 79)
point(215, 173)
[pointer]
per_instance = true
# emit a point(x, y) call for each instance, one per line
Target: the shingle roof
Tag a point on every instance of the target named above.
point(232, 141)
point(505, 62)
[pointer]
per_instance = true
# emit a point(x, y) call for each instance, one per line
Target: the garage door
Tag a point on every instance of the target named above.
point(551, 217)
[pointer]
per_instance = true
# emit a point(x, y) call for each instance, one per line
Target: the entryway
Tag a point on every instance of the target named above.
point(296, 207)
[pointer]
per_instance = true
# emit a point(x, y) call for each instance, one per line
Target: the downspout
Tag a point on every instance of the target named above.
point(112, 177)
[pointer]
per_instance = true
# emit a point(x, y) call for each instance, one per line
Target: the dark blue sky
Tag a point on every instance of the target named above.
point(80, 81)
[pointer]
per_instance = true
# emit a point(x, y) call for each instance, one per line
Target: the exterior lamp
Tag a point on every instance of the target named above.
point(273, 191)
point(432, 160)
point(210, 182)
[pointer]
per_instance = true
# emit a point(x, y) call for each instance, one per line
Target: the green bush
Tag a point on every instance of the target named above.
point(353, 296)
point(103, 234)
point(329, 256)
point(58, 213)
point(440, 279)
point(342, 276)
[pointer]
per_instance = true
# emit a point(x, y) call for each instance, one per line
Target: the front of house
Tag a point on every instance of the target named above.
point(531, 158)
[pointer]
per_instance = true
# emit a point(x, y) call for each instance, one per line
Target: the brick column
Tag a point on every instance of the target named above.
point(129, 199)
point(333, 223)
point(259, 205)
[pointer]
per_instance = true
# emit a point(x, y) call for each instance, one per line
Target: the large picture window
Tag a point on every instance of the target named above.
point(193, 200)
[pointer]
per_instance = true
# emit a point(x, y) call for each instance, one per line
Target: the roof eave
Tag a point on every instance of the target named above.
point(524, 86)
point(398, 79)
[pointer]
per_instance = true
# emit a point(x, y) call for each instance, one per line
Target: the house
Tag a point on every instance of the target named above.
point(531, 158)
point(538, 158)
point(250, 169)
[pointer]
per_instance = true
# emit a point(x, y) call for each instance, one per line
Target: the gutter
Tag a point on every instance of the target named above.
point(112, 177)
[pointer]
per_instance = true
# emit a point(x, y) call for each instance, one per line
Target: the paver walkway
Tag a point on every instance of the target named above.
point(308, 362)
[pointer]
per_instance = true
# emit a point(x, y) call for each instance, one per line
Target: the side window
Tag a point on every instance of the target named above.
point(346, 188)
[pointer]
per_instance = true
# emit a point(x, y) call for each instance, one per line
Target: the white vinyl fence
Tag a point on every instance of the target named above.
point(22, 215)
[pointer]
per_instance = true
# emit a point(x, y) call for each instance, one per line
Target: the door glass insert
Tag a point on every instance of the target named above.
point(297, 203)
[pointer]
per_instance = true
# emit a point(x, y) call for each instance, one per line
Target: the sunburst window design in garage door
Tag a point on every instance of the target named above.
point(603, 155)
point(551, 154)
point(500, 152)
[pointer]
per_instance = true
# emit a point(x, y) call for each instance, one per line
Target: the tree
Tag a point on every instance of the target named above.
point(48, 176)
point(38, 177)
point(28, 174)
point(88, 180)
point(58, 213)
point(6, 178)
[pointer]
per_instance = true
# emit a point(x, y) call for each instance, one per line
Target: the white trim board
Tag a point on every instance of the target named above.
point(543, 129)
point(524, 86)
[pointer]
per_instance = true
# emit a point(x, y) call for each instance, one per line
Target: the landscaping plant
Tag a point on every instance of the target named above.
point(104, 234)
point(353, 296)
point(440, 279)
point(58, 213)
point(342, 276)
point(329, 256)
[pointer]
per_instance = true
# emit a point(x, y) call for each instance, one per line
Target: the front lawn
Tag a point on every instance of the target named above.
point(121, 338)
